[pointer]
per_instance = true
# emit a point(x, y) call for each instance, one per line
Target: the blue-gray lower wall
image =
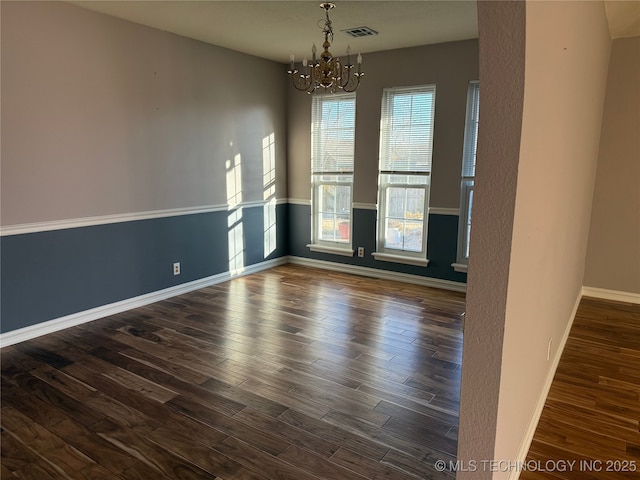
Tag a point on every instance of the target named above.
point(442, 243)
point(51, 274)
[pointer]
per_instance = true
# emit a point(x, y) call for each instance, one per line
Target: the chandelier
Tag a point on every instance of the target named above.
point(328, 72)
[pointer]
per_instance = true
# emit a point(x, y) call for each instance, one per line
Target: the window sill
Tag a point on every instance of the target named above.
point(388, 257)
point(460, 267)
point(346, 252)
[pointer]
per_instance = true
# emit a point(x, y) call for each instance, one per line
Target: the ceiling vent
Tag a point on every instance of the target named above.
point(358, 32)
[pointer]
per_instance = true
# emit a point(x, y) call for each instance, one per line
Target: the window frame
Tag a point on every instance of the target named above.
point(416, 175)
point(467, 181)
point(321, 177)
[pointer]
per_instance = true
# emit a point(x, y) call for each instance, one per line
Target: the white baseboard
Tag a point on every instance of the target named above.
point(378, 273)
point(615, 295)
point(33, 331)
point(542, 399)
point(50, 326)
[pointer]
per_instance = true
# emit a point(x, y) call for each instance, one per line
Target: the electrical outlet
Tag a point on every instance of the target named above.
point(361, 252)
point(176, 268)
point(549, 349)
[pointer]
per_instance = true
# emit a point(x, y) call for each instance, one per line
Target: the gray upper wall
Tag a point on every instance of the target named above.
point(613, 255)
point(103, 116)
point(450, 66)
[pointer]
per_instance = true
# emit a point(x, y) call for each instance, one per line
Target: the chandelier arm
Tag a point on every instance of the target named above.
point(353, 89)
point(345, 76)
point(301, 82)
point(354, 81)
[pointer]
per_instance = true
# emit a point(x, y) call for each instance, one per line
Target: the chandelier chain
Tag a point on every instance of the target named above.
point(328, 29)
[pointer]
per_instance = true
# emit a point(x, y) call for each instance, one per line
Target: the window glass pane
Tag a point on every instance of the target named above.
point(393, 235)
point(404, 218)
point(414, 219)
point(468, 223)
point(327, 227)
point(343, 199)
point(344, 227)
point(415, 203)
point(335, 199)
point(327, 200)
point(334, 212)
point(395, 202)
point(413, 235)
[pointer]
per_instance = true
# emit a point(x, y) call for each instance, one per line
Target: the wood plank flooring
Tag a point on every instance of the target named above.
point(592, 413)
point(292, 373)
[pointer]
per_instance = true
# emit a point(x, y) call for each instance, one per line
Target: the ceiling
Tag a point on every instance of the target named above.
point(623, 17)
point(275, 29)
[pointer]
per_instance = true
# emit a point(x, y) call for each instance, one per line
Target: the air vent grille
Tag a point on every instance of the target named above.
point(358, 32)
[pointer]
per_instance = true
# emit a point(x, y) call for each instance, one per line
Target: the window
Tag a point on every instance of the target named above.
point(332, 147)
point(468, 173)
point(406, 139)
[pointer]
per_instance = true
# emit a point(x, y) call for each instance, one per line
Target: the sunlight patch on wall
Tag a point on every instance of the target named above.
point(234, 221)
point(234, 181)
point(269, 188)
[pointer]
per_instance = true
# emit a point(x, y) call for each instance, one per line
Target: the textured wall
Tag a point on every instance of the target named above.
point(613, 255)
point(502, 45)
point(534, 186)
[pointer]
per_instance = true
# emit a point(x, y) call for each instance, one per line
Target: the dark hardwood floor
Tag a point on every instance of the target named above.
point(592, 413)
point(292, 373)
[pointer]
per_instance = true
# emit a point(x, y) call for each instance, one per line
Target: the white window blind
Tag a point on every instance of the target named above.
point(471, 131)
point(470, 148)
point(406, 129)
point(333, 133)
